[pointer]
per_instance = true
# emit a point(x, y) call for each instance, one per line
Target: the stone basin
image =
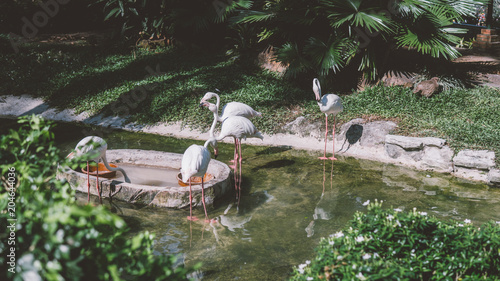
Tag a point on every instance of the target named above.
point(153, 176)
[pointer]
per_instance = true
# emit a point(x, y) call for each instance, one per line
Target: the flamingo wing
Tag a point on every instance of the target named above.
point(330, 104)
point(238, 109)
point(239, 127)
point(91, 148)
point(194, 162)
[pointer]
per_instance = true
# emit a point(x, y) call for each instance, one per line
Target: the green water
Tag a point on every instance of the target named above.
point(290, 200)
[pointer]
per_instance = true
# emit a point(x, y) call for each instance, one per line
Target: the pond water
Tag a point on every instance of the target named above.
point(290, 199)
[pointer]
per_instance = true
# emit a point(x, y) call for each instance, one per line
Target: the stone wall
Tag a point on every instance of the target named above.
point(374, 141)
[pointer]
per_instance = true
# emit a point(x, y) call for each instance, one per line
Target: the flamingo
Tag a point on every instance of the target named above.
point(194, 164)
point(93, 148)
point(328, 104)
point(239, 128)
point(230, 109)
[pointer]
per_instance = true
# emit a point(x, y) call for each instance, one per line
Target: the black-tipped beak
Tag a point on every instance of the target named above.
point(201, 104)
point(216, 153)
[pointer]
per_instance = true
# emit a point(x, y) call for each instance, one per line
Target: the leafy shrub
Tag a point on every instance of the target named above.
point(55, 239)
point(393, 245)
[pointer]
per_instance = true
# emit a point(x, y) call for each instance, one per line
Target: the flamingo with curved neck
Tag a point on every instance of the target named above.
point(230, 109)
point(93, 148)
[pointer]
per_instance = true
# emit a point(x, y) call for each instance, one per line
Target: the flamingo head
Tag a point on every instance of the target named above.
point(208, 96)
point(213, 143)
point(212, 107)
point(317, 89)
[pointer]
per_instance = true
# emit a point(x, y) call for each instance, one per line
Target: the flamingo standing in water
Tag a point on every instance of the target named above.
point(239, 128)
point(194, 164)
point(93, 148)
point(328, 104)
point(230, 109)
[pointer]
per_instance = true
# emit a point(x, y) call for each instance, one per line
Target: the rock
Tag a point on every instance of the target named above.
point(424, 153)
point(392, 78)
point(427, 87)
point(437, 159)
point(407, 143)
point(494, 177)
point(303, 128)
point(475, 159)
point(368, 134)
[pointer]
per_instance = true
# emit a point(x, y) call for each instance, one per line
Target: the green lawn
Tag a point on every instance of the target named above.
point(119, 80)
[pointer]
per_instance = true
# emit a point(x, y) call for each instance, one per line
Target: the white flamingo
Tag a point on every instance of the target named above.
point(230, 109)
point(239, 128)
point(328, 104)
point(194, 164)
point(93, 148)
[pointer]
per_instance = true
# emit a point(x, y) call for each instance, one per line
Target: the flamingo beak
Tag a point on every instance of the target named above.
point(71, 155)
point(216, 153)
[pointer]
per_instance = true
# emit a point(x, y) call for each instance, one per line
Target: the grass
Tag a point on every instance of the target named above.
point(166, 86)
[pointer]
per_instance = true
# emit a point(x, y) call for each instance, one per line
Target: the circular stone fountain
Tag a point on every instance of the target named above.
point(153, 176)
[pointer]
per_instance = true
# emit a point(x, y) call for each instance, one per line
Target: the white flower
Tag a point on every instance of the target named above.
point(398, 210)
point(390, 217)
point(366, 203)
point(331, 243)
point(461, 225)
point(360, 239)
point(339, 234)
point(309, 278)
point(360, 276)
point(340, 257)
point(366, 256)
point(376, 255)
point(308, 262)
point(498, 222)
point(423, 213)
point(467, 221)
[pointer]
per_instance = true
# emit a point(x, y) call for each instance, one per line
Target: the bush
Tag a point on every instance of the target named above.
point(392, 245)
point(51, 237)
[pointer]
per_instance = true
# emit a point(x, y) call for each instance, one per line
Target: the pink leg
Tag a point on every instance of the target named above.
point(333, 134)
point(88, 182)
point(98, 192)
point(235, 155)
point(203, 198)
point(239, 177)
point(191, 218)
point(240, 159)
point(326, 138)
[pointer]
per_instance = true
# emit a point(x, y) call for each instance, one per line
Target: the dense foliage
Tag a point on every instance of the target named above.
point(395, 245)
point(326, 36)
point(319, 37)
point(54, 238)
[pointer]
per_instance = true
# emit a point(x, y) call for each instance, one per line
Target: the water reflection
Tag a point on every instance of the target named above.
point(289, 200)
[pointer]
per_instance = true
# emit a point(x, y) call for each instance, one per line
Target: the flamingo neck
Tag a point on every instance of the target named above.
point(214, 123)
point(105, 161)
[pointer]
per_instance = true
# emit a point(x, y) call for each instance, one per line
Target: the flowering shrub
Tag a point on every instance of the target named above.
point(394, 245)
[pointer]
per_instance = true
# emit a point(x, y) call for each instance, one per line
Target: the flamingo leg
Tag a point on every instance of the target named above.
point(191, 218)
point(203, 198)
point(239, 179)
point(333, 137)
point(326, 138)
point(240, 159)
point(235, 154)
point(98, 191)
point(88, 183)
